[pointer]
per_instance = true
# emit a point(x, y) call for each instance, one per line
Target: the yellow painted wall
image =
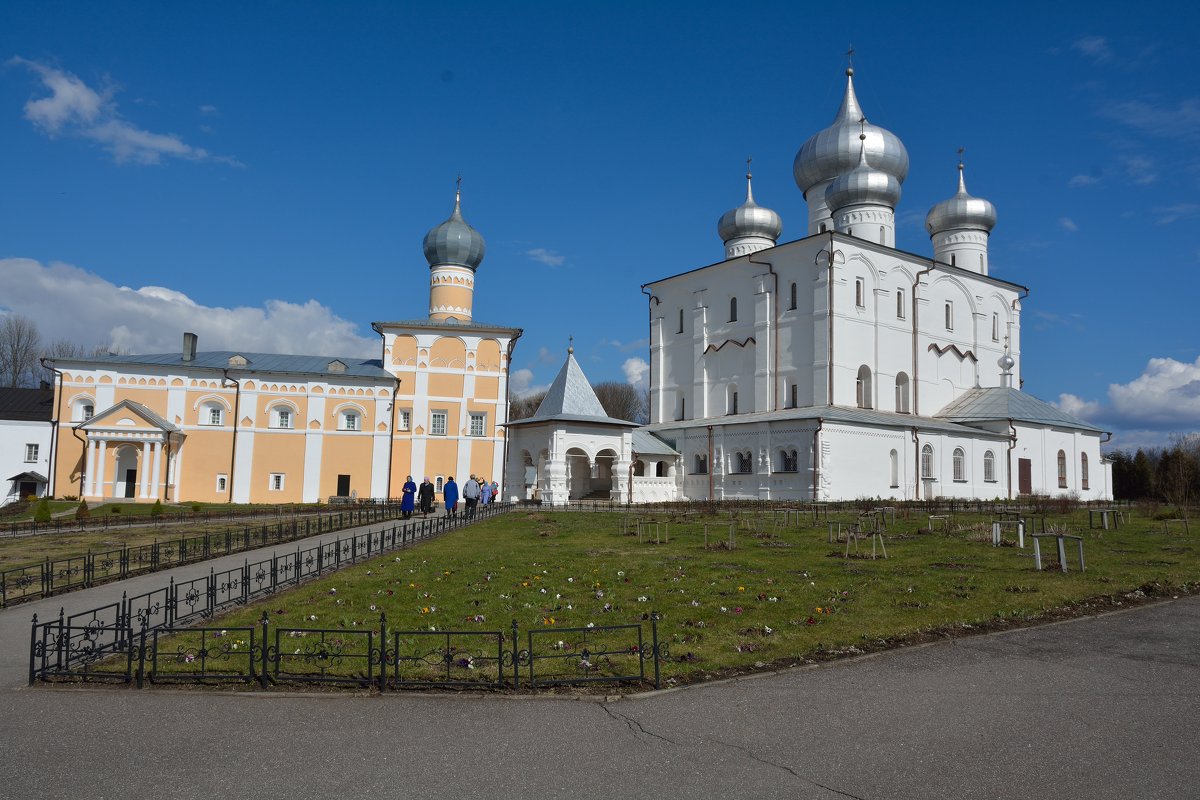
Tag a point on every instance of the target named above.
point(206, 453)
point(346, 455)
point(445, 385)
point(487, 388)
point(278, 452)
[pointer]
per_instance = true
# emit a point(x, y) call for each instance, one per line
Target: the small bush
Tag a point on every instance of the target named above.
point(42, 514)
point(70, 497)
point(83, 512)
point(156, 510)
point(114, 510)
point(196, 508)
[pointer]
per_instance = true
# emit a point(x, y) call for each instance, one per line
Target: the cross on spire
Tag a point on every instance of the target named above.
point(850, 57)
point(570, 345)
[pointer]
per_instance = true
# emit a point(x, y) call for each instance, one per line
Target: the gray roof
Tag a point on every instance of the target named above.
point(256, 362)
point(647, 444)
point(36, 405)
point(137, 408)
point(36, 477)
point(444, 323)
point(860, 416)
point(571, 398)
point(1005, 403)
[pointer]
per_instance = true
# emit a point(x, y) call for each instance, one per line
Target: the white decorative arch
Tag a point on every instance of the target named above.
point(215, 399)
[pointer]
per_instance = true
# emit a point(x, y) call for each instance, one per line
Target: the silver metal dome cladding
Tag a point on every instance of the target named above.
point(863, 185)
point(454, 241)
point(749, 219)
point(834, 150)
point(961, 211)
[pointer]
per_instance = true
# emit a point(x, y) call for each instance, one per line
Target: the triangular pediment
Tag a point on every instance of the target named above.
point(128, 414)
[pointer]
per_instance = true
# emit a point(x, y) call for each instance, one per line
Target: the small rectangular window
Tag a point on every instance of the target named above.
point(222, 483)
point(404, 419)
point(285, 419)
point(995, 327)
point(438, 484)
point(437, 423)
point(794, 398)
point(949, 316)
point(275, 482)
point(349, 422)
point(214, 416)
point(900, 304)
point(31, 453)
point(860, 299)
point(680, 321)
point(478, 424)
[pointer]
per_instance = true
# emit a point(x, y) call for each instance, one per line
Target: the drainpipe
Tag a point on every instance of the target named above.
point(711, 465)
point(917, 459)
point(1013, 305)
point(82, 472)
point(167, 477)
point(916, 381)
point(632, 459)
point(650, 354)
point(829, 369)
point(392, 437)
point(817, 459)
point(1012, 443)
point(237, 396)
point(54, 430)
point(512, 345)
point(774, 330)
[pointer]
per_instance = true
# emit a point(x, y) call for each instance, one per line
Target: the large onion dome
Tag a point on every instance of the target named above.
point(454, 241)
point(962, 211)
point(834, 150)
point(749, 219)
point(863, 185)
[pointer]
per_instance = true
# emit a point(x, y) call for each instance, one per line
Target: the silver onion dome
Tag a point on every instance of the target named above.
point(834, 150)
point(454, 241)
point(1006, 362)
point(749, 219)
point(863, 185)
point(961, 211)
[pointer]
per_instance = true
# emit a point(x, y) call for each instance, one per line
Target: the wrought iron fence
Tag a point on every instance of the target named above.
point(50, 577)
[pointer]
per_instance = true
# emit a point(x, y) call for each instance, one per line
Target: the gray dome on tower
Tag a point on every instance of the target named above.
point(454, 241)
point(749, 227)
point(835, 150)
point(961, 212)
point(863, 185)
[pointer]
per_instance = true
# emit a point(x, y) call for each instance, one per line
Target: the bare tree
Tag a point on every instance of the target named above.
point(523, 407)
point(622, 401)
point(20, 343)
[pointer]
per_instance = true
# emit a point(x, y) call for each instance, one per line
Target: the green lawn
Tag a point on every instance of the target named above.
point(780, 596)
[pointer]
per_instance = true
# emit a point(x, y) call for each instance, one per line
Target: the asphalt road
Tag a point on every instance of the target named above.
point(1103, 707)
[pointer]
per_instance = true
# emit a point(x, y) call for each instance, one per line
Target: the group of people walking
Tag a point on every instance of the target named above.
point(475, 492)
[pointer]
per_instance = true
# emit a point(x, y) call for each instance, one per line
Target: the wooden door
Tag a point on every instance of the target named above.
point(343, 487)
point(1024, 476)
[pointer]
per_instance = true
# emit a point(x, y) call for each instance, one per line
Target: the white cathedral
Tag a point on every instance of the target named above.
point(832, 367)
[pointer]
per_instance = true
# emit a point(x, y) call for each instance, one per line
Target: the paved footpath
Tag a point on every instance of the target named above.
point(1104, 707)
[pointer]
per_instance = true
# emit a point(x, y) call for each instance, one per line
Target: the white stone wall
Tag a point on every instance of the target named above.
point(14, 436)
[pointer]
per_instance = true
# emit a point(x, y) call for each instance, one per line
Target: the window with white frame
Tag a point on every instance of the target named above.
point(901, 307)
point(89, 411)
point(31, 453)
point(404, 419)
point(949, 316)
point(275, 481)
point(1062, 469)
point(349, 421)
point(959, 460)
point(82, 409)
point(438, 483)
point(212, 414)
point(862, 388)
point(437, 423)
point(1083, 471)
point(222, 483)
point(927, 462)
point(902, 393)
point(478, 424)
point(989, 467)
point(860, 298)
point(281, 417)
point(788, 460)
point(744, 463)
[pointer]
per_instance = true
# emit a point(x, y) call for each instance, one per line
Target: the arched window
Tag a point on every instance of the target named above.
point(660, 470)
point(745, 463)
point(1083, 471)
point(701, 465)
point(860, 293)
point(733, 309)
point(953, 260)
point(902, 394)
point(989, 466)
point(882, 234)
point(995, 327)
point(960, 464)
point(1062, 469)
point(788, 461)
point(282, 417)
point(793, 305)
point(212, 413)
point(894, 457)
point(639, 469)
point(680, 321)
point(949, 316)
point(821, 228)
point(901, 306)
point(927, 461)
point(82, 409)
point(682, 407)
point(863, 392)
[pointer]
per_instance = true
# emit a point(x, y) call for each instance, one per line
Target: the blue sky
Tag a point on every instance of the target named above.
point(264, 172)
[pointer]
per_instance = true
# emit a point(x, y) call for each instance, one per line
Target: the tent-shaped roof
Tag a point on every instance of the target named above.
point(1005, 403)
point(571, 399)
point(29, 476)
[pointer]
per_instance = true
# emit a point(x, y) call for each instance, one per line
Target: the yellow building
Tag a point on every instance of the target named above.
point(268, 428)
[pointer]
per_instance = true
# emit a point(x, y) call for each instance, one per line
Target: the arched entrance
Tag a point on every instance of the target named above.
point(579, 473)
point(125, 480)
point(602, 480)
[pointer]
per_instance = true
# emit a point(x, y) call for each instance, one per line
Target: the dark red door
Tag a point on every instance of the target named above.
point(1024, 476)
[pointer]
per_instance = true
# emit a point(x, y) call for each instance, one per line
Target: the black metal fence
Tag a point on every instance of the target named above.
point(51, 577)
point(171, 515)
point(823, 508)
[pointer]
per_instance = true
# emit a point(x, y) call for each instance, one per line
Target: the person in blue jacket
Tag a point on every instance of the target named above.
point(450, 496)
point(409, 502)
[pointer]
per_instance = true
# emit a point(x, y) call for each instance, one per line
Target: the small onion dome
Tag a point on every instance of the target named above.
point(749, 219)
point(831, 152)
point(1006, 363)
point(863, 185)
point(961, 211)
point(454, 241)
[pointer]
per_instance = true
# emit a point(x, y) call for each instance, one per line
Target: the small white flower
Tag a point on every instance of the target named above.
point(620, 574)
point(642, 599)
point(767, 630)
point(591, 624)
point(723, 609)
point(312, 617)
point(570, 580)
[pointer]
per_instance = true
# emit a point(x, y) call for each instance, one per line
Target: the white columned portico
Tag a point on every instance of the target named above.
point(157, 455)
point(90, 488)
point(144, 470)
point(99, 488)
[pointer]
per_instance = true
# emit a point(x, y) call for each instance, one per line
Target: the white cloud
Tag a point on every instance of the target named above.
point(1168, 214)
point(1077, 406)
point(70, 303)
point(75, 109)
point(637, 372)
point(1140, 170)
point(210, 110)
point(521, 383)
point(547, 257)
point(1166, 394)
point(1081, 180)
point(1068, 225)
point(1094, 47)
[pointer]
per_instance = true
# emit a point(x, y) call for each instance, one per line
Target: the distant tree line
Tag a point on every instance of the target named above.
point(1170, 474)
point(22, 348)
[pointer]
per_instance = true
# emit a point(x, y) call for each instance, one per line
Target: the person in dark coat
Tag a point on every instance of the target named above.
point(425, 496)
point(450, 496)
point(409, 501)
